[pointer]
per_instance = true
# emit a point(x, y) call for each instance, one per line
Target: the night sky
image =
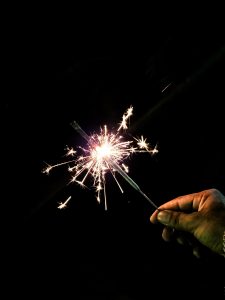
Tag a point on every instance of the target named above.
point(175, 82)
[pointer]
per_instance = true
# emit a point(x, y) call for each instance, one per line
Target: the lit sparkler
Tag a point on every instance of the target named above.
point(105, 152)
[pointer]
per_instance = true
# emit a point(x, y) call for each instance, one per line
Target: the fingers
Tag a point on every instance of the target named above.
point(170, 234)
point(153, 217)
point(178, 220)
point(174, 219)
point(167, 234)
point(193, 202)
point(186, 203)
point(182, 203)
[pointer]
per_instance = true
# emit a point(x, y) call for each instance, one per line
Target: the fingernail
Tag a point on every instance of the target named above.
point(163, 217)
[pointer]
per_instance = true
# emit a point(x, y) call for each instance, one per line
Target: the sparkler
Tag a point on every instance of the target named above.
point(105, 152)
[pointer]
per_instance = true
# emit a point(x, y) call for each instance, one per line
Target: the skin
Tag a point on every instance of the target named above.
point(195, 220)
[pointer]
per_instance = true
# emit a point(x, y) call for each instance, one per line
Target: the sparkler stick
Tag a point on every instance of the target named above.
point(77, 127)
point(131, 181)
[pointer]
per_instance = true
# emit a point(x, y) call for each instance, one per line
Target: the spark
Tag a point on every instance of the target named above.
point(63, 205)
point(125, 118)
point(50, 167)
point(70, 151)
point(106, 152)
point(166, 87)
point(141, 142)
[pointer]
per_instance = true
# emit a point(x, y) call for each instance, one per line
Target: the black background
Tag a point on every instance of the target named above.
point(85, 252)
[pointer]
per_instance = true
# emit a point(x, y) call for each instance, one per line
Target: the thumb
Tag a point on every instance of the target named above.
point(177, 220)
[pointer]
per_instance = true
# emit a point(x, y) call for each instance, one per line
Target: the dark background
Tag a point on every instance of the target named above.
point(175, 81)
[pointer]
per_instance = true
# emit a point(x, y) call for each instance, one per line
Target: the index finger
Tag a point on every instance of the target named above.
point(181, 203)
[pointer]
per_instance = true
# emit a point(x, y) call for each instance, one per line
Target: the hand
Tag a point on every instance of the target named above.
point(200, 214)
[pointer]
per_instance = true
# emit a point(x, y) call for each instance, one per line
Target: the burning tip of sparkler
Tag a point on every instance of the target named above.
point(105, 152)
